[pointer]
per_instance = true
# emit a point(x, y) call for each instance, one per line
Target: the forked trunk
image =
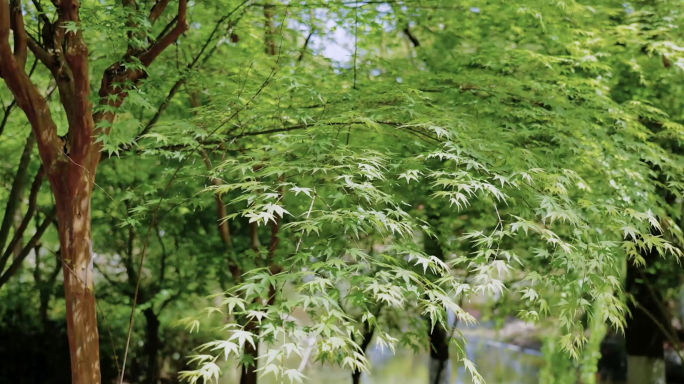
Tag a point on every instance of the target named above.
point(72, 189)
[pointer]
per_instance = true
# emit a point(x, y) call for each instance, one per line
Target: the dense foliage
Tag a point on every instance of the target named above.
point(335, 171)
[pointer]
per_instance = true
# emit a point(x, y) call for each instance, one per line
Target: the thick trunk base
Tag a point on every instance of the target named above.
point(73, 216)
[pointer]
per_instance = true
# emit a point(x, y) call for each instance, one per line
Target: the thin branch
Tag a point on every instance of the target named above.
point(13, 199)
point(672, 337)
point(157, 48)
point(666, 315)
point(41, 13)
point(6, 115)
point(306, 45)
point(162, 264)
point(14, 267)
point(356, 43)
point(17, 23)
point(412, 37)
point(167, 28)
point(157, 10)
point(19, 233)
point(180, 82)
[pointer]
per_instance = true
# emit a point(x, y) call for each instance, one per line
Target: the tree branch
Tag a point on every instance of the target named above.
point(14, 267)
point(412, 37)
point(26, 94)
point(19, 233)
point(306, 45)
point(183, 79)
point(157, 10)
point(117, 74)
point(17, 22)
point(40, 52)
point(41, 12)
point(157, 48)
point(167, 27)
point(17, 185)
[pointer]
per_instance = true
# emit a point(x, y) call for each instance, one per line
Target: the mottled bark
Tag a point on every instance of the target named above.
point(70, 162)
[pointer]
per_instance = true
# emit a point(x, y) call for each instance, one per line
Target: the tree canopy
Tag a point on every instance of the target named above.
point(331, 171)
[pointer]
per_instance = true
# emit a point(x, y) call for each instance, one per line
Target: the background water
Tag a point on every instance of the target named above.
point(498, 363)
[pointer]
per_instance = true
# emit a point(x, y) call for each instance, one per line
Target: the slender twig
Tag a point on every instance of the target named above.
point(356, 45)
point(313, 199)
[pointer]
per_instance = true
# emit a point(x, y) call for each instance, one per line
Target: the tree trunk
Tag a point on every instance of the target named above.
point(643, 338)
point(440, 365)
point(367, 337)
point(356, 377)
point(70, 162)
point(249, 373)
point(152, 346)
point(72, 191)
